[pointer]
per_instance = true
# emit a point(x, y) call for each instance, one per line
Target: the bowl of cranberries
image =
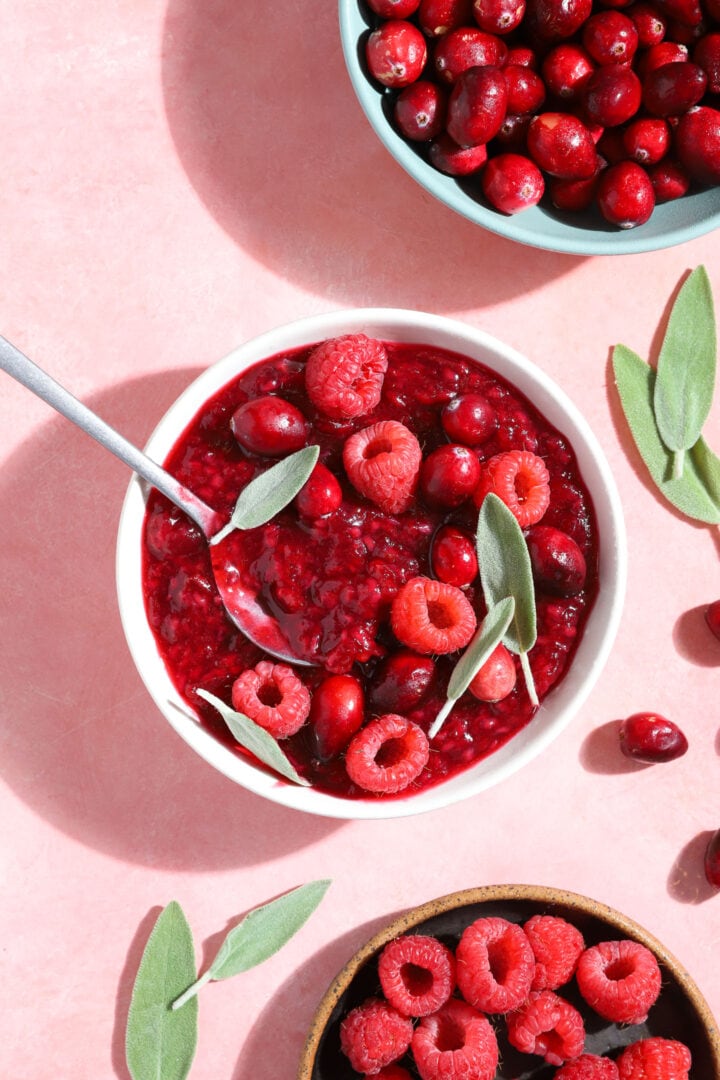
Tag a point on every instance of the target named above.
point(584, 126)
point(508, 982)
point(411, 674)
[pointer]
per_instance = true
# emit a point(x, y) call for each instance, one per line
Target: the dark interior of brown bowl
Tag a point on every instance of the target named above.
point(680, 1012)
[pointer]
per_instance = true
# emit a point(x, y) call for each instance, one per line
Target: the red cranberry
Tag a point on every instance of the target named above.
point(612, 95)
point(647, 140)
point(712, 861)
point(420, 111)
point(321, 495)
point(526, 90)
point(685, 35)
point(438, 17)
point(611, 146)
point(610, 37)
point(477, 106)
point(394, 9)
point(650, 738)
point(396, 53)
point(625, 195)
point(666, 52)
point(512, 182)
point(672, 89)
point(512, 136)
point(449, 475)
point(469, 419)
point(560, 144)
point(170, 532)
point(401, 682)
point(649, 23)
point(453, 557)
point(686, 12)
point(669, 180)
point(558, 563)
point(446, 156)
point(554, 20)
point(712, 618)
point(498, 16)
point(496, 678)
point(466, 48)
point(697, 143)
point(337, 711)
point(707, 54)
point(566, 69)
point(523, 56)
point(573, 195)
point(269, 426)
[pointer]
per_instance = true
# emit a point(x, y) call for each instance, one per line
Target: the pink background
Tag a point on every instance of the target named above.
point(177, 177)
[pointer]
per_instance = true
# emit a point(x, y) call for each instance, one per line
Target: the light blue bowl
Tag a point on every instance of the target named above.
point(542, 227)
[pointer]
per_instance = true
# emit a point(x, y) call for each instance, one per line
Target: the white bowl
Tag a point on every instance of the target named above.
point(561, 703)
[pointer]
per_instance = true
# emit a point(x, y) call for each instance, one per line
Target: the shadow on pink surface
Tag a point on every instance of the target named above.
point(268, 129)
point(686, 880)
point(82, 743)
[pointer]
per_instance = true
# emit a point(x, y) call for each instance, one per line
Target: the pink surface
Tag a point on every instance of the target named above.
point(177, 178)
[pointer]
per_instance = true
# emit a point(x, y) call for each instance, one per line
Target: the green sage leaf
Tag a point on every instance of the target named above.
point(256, 739)
point(685, 377)
point(505, 570)
point(271, 491)
point(696, 493)
point(160, 1042)
point(487, 637)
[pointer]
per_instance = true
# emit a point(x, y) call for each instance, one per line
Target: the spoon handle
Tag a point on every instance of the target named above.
point(25, 371)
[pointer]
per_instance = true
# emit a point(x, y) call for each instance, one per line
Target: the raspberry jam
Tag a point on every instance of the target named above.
point(330, 581)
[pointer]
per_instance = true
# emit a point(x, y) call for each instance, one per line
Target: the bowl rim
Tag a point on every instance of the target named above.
point(600, 629)
point(540, 894)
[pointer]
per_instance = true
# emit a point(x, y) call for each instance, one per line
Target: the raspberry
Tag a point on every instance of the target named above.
point(456, 1041)
point(655, 1059)
point(557, 946)
point(521, 480)
point(588, 1067)
point(344, 376)
point(383, 463)
point(417, 974)
point(620, 980)
point(432, 617)
point(387, 755)
point(273, 696)
point(392, 1072)
point(374, 1035)
point(495, 965)
point(547, 1025)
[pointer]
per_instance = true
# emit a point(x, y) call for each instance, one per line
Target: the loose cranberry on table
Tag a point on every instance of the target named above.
point(712, 860)
point(712, 617)
point(650, 738)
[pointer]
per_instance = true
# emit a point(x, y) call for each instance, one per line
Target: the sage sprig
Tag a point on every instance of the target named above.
point(505, 570)
point(261, 934)
point(256, 739)
point(271, 491)
point(487, 637)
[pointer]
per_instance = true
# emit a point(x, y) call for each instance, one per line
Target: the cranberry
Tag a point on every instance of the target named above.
point(396, 53)
point(169, 532)
point(420, 111)
point(512, 135)
point(394, 9)
point(439, 17)
point(625, 195)
point(558, 564)
point(573, 195)
point(526, 90)
point(566, 69)
point(669, 180)
point(650, 738)
point(672, 89)
point(666, 52)
point(554, 20)
point(562, 145)
point(523, 56)
point(712, 861)
point(401, 682)
point(707, 54)
point(496, 678)
point(321, 495)
point(469, 419)
point(647, 140)
point(712, 618)
point(449, 475)
point(477, 106)
point(697, 143)
point(686, 12)
point(466, 48)
point(446, 156)
point(610, 37)
point(269, 426)
point(512, 182)
point(453, 557)
point(337, 711)
point(612, 95)
point(498, 16)
point(649, 23)
point(611, 146)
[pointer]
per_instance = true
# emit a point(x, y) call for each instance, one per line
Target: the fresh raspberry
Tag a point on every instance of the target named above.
point(588, 1067)
point(387, 755)
point(417, 974)
point(547, 1025)
point(495, 965)
point(344, 376)
point(273, 696)
point(557, 946)
point(383, 463)
point(655, 1059)
point(456, 1041)
point(620, 980)
point(374, 1035)
point(521, 480)
point(431, 616)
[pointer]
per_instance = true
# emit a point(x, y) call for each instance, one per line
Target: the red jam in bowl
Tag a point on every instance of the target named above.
point(331, 580)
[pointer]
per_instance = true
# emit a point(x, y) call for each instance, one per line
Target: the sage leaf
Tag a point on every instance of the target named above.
point(160, 1042)
point(487, 637)
point(696, 493)
point(685, 377)
point(256, 739)
point(271, 491)
point(505, 570)
point(261, 934)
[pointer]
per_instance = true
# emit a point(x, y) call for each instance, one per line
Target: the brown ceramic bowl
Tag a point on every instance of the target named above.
point(680, 1012)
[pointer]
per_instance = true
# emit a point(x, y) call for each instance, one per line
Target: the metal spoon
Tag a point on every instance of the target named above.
point(241, 604)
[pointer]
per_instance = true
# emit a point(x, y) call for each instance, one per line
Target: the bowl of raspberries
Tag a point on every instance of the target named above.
point(423, 606)
point(582, 126)
point(512, 982)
